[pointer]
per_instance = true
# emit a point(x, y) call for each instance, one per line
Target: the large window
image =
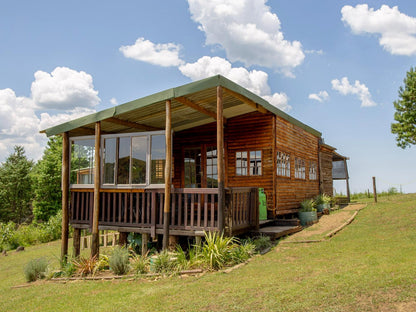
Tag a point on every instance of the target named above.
point(248, 163)
point(283, 164)
point(82, 161)
point(127, 159)
point(300, 168)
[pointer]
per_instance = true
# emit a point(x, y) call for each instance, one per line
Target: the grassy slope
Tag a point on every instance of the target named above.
point(369, 266)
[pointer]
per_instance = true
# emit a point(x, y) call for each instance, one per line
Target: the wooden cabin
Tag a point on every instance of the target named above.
point(210, 144)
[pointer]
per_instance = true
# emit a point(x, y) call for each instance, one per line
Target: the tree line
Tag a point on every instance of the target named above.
point(31, 191)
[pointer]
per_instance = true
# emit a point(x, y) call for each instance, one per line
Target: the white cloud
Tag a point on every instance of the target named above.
point(344, 87)
point(397, 31)
point(64, 89)
point(320, 97)
point(256, 81)
point(21, 118)
point(248, 32)
point(166, 54)
point(114, 101)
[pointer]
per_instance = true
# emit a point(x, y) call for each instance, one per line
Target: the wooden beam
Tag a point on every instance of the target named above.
point(65, 195)
point(247, 101)
point(220, 160)
point(197, 107)
point(131, 124)
point(168, 174)
point(95, 244)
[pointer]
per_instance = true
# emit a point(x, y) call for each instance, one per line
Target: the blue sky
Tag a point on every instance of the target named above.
point(334, 65)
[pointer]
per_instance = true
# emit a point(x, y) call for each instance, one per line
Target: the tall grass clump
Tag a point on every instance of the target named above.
point(141, 263)
point(216, 250)
point(119, 261)
point(164, 262)
point(36, 269)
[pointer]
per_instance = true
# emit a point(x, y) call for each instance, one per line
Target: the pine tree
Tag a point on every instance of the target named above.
point(405, 115)
point(16, 187)
point(47, 176)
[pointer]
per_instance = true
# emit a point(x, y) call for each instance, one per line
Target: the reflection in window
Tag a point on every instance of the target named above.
point(157, 159)
point(139, 154)
point(283, 164)
point(123, 171)
point(109, 160)
point(212, 174)
point(82, 161)
point(241, 163)
point(255, 162)
point(312, 171)
point(192, 165)
point(300, 168)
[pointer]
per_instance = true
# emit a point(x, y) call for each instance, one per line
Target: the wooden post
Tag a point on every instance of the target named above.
point(95, 243)
point(274, 148)
point(220, 160)
point(168, 175)
point(76, 239)
point(347, 180)
point(374, 189)
point(145, 240)
point(65, 195)
point(122, 238)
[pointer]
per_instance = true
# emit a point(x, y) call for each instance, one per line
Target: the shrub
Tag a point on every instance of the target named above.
point(85, 266)
point(141, 263)
point(163, 262)
point(101, 264)
point(119, 261)
point(53, 228)
point(262, 242)
point(35, 269)
point(7, 236)
point(216, 250)
point(241, 253)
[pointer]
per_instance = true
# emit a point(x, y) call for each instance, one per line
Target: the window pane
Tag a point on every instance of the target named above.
point(157, 175)
point(212, 175)
point(109, 160)
point(82, 161)
point(192, 164)
point(139, 153)
point(123, 169)
point(241, 163)
point(255, 162)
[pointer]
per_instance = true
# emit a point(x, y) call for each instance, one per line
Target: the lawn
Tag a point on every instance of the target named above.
point(368, 266)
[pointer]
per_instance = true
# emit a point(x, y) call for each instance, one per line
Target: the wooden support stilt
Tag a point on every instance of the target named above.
point(95, 244)
point(168, 174)
point(76, 239)
point(65, 195)
point(145, 240)
point(122, 239)
point(220, 160)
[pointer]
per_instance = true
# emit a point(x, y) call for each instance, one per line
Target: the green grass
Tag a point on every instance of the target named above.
point(368, 266)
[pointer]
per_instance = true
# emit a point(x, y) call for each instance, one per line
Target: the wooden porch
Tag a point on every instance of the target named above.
point(193, 210)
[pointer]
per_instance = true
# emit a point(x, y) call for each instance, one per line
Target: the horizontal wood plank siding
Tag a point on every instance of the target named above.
point(326, 170)
point(295, 141)
point(251, 132)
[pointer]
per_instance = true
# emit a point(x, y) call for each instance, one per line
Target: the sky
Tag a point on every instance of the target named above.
point(335, 65)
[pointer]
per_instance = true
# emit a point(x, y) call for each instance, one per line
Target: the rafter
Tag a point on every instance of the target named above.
point(247, 101)
point(191, 104)
point(131, 124)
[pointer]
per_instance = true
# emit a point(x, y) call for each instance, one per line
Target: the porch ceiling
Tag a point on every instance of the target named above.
point(193, 105)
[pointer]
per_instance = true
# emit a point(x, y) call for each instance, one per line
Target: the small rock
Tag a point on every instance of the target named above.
point(20, 248)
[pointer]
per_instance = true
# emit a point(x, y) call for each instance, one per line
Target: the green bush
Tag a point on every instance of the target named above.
point(216, 250)
point(141, 263)
point(35, 269)
point(262, 242)
point(7, 236)
point(241, 253)
point(163, 262)
point(119, 261)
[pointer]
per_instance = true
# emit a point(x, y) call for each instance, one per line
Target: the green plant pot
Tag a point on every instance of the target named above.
point(306, 217)
point(327, 205)
point(320, 207)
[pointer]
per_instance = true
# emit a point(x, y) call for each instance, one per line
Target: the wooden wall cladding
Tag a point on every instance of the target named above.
point(326, 171)
point(251, 132)
point(297, 142)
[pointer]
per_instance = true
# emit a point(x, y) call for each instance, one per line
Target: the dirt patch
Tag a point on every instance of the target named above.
point(326, 224)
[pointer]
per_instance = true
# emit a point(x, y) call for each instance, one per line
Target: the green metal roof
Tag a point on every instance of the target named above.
point(149, 111)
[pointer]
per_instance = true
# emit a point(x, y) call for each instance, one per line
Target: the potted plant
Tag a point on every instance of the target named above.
point(319, 202)
point(307, 212)
point(327, 201)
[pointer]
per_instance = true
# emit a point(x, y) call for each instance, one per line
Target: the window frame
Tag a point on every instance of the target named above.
point(313, 165)
point(300, 168)
point(286, 173)
point(248, 163)
point(71, 140)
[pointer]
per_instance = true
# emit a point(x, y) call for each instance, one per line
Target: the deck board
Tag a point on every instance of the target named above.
point(275, 232)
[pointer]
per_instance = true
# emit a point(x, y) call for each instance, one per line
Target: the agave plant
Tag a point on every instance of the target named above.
point(307, 205)
point(216, 250)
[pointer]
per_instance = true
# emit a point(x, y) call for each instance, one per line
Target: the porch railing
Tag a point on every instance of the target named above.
point(192, 209)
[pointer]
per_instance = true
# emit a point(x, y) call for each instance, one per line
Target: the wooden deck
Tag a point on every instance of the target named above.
point(277, 231)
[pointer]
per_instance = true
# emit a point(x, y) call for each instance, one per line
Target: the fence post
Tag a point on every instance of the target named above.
point(374, 189)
